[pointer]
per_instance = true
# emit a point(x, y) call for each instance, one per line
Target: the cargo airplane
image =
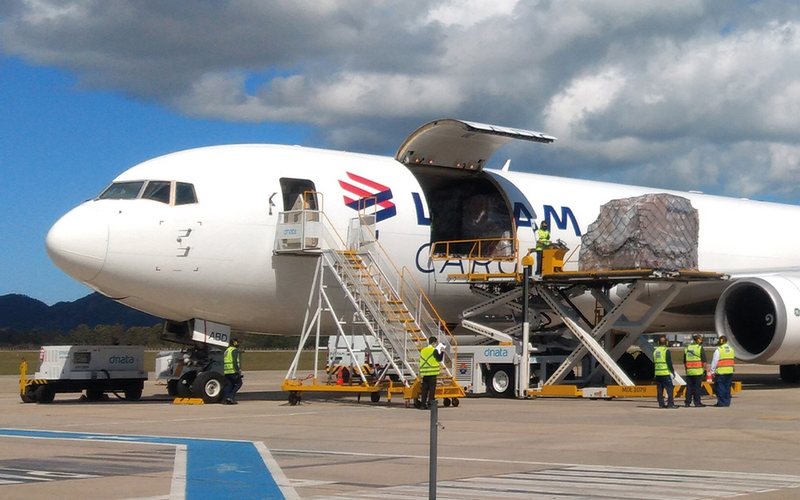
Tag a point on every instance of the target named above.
point(190, 236)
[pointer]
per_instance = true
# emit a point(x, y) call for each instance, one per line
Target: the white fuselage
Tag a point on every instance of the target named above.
point(214, 259)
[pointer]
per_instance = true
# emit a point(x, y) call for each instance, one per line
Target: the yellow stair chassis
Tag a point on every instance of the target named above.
point(446, 389)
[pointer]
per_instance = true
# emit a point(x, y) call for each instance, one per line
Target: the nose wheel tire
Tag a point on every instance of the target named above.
point(208, 385)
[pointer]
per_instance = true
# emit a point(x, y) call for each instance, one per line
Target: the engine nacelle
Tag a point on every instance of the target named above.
point(761, 318)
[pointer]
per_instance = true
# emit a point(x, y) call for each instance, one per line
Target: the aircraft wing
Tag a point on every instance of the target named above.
point(700, 298)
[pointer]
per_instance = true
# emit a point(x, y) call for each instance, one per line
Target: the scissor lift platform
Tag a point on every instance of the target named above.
point(553, 288)
point(558, 290)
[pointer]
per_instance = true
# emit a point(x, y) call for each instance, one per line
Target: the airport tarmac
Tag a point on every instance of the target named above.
point(336, 447)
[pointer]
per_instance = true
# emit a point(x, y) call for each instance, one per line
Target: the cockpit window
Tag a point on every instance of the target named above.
point(122, 191)
point(184, 193)
point(157, 191)
point(153, 190)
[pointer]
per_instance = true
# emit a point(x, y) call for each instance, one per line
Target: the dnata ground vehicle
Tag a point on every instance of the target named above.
point(92, 368)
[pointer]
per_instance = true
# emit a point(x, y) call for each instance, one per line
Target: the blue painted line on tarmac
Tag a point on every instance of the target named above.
point(214, 468)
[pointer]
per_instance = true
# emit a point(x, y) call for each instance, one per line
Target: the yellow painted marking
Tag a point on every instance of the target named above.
point(187, 401)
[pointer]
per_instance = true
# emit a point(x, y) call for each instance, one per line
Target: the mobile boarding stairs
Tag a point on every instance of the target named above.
point(356, 287)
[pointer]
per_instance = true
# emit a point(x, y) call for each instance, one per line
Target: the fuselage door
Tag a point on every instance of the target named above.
point(298, 228)
point(460, 144)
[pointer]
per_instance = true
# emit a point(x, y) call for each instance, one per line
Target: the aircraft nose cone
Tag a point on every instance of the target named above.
point(77, 243)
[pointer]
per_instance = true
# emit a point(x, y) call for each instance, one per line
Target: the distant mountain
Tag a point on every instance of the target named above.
point(23, 313)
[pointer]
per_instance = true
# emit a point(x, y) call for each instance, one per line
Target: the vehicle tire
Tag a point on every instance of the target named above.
point(172, 387)
point(375, 397)
point(29, 396)
point(183, 388)
point(208, 385)
point(628, 364)
point(446, 402)
point(293, 398)
point(501, 382)
point(790, 373)
point(645, 369)
point(45, 394)
point(455, 402)
point(134, 391)
point(94, 394)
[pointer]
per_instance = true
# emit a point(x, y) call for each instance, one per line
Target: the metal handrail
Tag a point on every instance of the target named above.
point(476, 249)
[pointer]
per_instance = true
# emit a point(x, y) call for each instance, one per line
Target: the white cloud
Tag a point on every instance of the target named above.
point(585, 95)
point(469, 12)
point(677, 94)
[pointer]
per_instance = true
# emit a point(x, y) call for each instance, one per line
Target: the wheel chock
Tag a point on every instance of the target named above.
point(188, 401)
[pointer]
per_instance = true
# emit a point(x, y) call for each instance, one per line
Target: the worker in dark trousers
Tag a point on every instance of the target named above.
point(664, 371)
point(429, 358)
point(232, 369)
point(722, 367)
point(694, 361)
point(542, 242)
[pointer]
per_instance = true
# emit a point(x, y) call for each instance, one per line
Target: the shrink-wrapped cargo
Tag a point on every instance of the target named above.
point(656, 231)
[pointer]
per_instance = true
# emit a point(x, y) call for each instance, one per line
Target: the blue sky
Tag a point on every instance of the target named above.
point(688, 94)
point(63, 144)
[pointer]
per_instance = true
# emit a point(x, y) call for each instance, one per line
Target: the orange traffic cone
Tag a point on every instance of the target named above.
point(709, 377)
point(339, 377)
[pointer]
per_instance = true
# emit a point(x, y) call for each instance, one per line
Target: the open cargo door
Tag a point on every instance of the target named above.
point(471, 216)
point(460, 144)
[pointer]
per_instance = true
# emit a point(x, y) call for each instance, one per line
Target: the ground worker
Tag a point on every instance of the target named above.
point(722, 366)
point(664, 373)
point(429, 358)
point(542, 242)
point(232, 369)
point(694, 360)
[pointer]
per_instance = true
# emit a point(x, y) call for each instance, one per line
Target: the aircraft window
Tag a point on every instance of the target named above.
point(157, 191)
point(184, 193)
point(122, 191)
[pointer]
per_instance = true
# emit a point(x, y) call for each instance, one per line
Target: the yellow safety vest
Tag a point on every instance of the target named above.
point(725, 362)
point(428, 364)
point(693, 360)
point(228, 368)
point(542, 238)
point(660, 361)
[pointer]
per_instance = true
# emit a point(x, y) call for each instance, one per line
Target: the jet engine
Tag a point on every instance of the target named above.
point(761, 317)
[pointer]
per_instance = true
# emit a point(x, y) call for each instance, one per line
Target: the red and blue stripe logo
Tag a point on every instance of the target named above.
point(362, 193)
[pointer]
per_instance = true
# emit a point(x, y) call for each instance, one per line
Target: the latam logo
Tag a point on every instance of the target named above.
point(363, 193)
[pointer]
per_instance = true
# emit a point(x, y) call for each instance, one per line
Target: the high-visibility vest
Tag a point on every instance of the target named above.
point(228, 368)
point(692, 360)
point(725, 362)
point(428, 364)
point(660, 361)
point(542, 238)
